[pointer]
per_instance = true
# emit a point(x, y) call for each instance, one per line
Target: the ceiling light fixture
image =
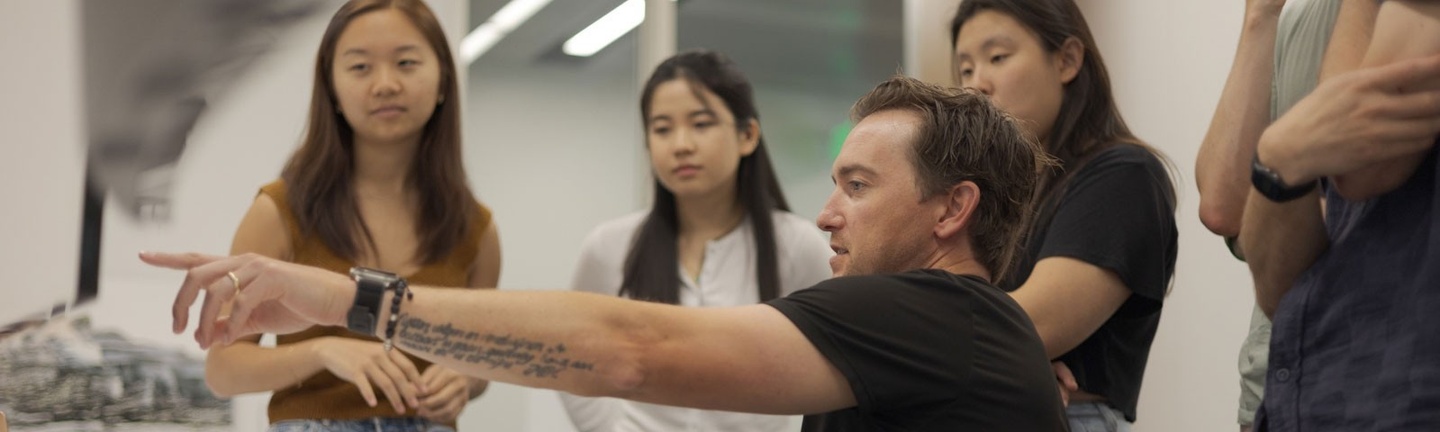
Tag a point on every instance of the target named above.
point(607, 29)
point(505, 20)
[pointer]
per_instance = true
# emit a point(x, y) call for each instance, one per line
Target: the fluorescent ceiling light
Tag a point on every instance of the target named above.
point(607, 29)
point(502, 23)
point(479, 41)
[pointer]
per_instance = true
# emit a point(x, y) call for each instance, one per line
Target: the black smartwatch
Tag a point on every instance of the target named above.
point(370, 286)
point(1269, 183)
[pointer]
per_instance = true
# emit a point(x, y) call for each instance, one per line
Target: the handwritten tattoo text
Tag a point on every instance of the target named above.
point(531, 357)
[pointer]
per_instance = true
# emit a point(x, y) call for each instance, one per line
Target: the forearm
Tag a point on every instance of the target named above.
point(1222, 166)
point(1403, 30)
point(1058, 333)
point(1067, 300)
point(1281, 241)
point(245, 367)
point(574, 342)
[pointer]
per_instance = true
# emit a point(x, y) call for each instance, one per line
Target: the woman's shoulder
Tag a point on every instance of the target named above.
point(617, 231)
point(1124, 161)
point(276, 189)
point(1126, 153)
point(480, 215)
point(799, 239)
point(1126, 168)
point(623, 225)
point(788, 223)
point(278, 193)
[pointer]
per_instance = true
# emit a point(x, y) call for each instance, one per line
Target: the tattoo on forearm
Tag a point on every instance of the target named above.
point(534, 358)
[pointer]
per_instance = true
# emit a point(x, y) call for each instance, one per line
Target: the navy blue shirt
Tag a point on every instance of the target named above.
point(1356, 342)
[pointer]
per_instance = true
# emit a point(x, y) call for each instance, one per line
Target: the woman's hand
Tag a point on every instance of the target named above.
point(1066, 380)
point(445, 394)
point(366, 363)
point(1355, 120)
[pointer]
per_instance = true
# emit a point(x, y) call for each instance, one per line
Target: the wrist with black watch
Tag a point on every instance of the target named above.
point(1272, 187)
point(370, 287)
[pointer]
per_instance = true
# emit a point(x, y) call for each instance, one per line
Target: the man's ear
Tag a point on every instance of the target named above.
point(1069, 58)
point(960, 206)
point(749, 137)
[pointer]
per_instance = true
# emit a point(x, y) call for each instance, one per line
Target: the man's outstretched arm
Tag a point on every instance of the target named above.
point(749, 358)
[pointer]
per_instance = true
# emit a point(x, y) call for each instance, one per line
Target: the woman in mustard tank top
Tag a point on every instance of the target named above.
point(377, 182)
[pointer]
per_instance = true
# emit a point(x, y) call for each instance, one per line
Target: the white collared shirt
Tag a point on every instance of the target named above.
point(727, 278)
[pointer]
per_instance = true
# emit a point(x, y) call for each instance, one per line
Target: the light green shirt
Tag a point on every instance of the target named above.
point(1300, 42)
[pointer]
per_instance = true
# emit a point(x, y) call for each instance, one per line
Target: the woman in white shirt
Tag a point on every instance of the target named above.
point(718, 234)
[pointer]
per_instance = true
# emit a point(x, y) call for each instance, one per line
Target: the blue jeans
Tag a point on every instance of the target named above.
point(1095, 417)
point(373, 424)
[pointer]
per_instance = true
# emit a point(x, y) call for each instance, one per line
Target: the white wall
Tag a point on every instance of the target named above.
point(1168, 61)
point(927, 40)
point(42, 261)
point(552, 152)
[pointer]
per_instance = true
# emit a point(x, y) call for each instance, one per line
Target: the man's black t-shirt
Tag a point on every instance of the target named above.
point(1117, 213)
point(928, 350)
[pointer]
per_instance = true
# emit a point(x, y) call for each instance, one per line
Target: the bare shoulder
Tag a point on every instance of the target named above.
point(612, 238)
point(263, 230)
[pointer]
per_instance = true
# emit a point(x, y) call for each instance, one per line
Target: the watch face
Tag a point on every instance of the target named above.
point(1272, 187)
point(369, 273)
point(370, 286)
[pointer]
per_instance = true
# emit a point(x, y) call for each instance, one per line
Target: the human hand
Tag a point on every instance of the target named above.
point(366, 363)
point(445, 394)
point(1355, 120)
point(267, 295)
point(1066, 380)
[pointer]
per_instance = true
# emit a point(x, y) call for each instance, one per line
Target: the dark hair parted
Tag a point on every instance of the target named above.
point(963, 137)
point(318, 176)
point(1089, 119)
point(650, 266)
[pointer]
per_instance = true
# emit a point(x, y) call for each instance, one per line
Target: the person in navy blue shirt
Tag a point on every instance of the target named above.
point(1353, 289)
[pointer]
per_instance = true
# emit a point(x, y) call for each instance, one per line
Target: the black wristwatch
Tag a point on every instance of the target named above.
point(370, 286)
point(1269, 183)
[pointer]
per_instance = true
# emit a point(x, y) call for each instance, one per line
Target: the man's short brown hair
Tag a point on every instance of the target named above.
point(963, 137)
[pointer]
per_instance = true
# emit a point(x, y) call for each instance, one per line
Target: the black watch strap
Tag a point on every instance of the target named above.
point(370, 286)
point(1272, 187)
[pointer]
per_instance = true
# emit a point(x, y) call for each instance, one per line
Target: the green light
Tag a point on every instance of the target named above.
point(837, 137)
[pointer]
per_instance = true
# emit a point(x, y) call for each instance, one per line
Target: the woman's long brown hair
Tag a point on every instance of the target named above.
point(319, 176)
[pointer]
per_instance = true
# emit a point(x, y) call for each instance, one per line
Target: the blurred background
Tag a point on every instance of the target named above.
point(553, 146)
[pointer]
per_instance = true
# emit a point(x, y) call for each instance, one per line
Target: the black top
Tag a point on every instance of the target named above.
point(1117, 213)
point(1356, 342)
point(927, 350)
